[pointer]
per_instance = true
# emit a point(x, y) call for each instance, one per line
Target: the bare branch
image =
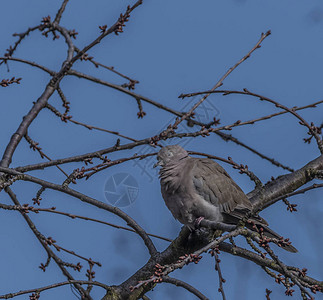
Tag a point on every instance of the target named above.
point(31, 63)
point(41, 239)
point(284, 184)
point(90, 127)
point(149, 244)
point(52, 286)
point(219, 83)
point(227, 137)
point(26, 208)
point(186, 286)
point(132, 82)
point(11, 49)
point(218, 269)
point(34, 146)
point(115, 28)
point(301, 191)
point(124, 90)
point(60, 12)
point(312, 130)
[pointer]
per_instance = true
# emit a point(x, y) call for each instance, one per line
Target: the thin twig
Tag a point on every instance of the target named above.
point(31, 63)
point(162, 271)
point(87, 173)
point(131, 222)
point(54, 285)
point(112, 69)
point(227, 137)
point(218, 84)
point(289, 274)
point(35, 147)
point(60, 12)
point(11, 49)
point(27, 208)
point(124, 90)
point(279, 105)
point(115, 28)
point(186, 286)
point(301, 191)
point(90, 127)
point(221, 279)
point(202, 132)
point(41, 239)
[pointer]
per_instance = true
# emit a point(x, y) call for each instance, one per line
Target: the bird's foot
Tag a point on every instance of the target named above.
point(197, 222)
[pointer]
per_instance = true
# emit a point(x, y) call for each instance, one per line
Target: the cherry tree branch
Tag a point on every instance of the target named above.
point(26, 208)
point(66, 190)
point(60, 12)
point(42, 239)
point(52, 286)
point(186, 286)
point(218, 84)
point(313, 130)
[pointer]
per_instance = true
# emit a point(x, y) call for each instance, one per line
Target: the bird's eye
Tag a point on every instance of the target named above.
point(170, 154)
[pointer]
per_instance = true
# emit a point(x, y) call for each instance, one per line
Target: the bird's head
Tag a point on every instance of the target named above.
point(171, 153)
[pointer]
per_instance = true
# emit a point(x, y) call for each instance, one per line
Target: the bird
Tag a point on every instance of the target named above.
point(199, 188)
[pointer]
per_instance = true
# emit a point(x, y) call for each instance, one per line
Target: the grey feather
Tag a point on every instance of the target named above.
point(200, 187)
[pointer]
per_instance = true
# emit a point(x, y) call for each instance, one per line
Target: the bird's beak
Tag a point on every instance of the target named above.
point(158, 163)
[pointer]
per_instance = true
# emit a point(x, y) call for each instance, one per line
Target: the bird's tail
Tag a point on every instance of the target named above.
point(267, 232)
point(258, 224)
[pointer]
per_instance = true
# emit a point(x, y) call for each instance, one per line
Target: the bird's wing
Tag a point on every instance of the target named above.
point(214, 184)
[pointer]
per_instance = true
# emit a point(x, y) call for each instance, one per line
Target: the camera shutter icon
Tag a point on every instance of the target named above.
point(121, 189)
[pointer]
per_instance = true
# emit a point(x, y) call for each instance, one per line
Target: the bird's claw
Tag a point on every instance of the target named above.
point(197, 222)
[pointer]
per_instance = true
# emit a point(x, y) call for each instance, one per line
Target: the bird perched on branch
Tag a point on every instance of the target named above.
point(199, 188)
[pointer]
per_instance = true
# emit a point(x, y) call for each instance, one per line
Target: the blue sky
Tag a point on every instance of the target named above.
point(171, 47)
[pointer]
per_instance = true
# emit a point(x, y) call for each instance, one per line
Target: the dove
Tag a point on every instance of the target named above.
point(199, 188)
